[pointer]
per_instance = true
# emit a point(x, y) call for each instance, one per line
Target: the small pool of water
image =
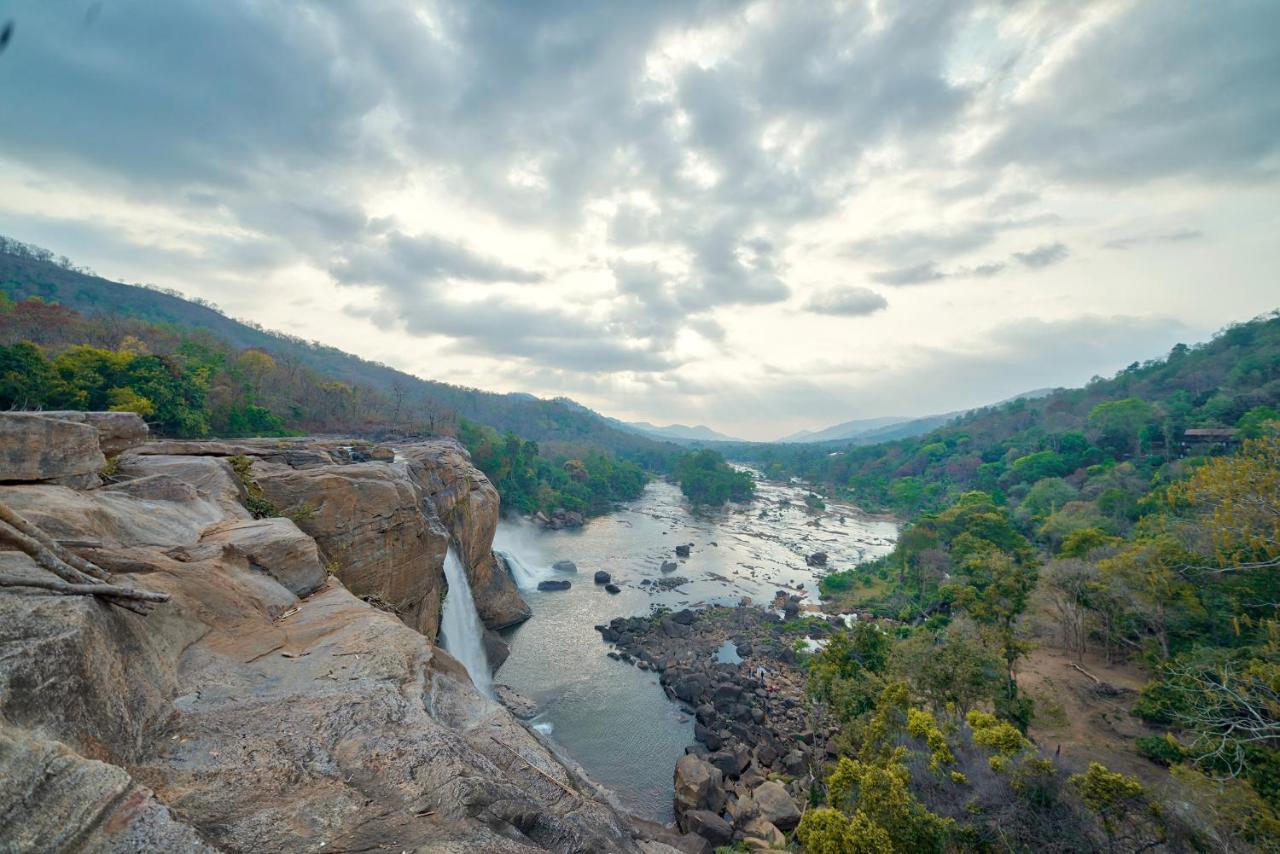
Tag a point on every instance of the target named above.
point(728, 653)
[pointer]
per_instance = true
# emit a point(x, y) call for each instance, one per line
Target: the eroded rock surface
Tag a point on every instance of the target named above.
point(266, 707)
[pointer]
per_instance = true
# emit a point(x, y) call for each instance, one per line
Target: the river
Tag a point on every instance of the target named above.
point(609, 716)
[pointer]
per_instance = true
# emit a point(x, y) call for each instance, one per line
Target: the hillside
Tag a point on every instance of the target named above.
point(1143, 410)
point(28, 271)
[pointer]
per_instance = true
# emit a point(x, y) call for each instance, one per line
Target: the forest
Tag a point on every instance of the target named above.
point(1093, 524)
point(189, 383)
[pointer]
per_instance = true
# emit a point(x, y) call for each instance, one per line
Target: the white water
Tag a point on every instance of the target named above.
point(461, 633)
point(518, 545)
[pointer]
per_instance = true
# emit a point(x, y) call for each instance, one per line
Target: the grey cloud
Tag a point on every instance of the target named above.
point(1043, 256)
point(1178, 235)
point(847, 302)
point(399, 261)
point(917, 274)
point(499, 327)
point(1167, 87)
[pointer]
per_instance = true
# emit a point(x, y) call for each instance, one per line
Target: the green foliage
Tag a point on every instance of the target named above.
point(530, 481)
point(706, 479)
point(257, 503)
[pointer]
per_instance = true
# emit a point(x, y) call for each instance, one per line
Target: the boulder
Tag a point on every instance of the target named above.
point(683, 617)
point(602, 577)
point(274, 546)
point(564, 566)
point(816, 559)
point(698, 785)
point(725, 762)
point(675, 630)
point(518, 704)
point(741, 810)
point(37, 448)
point(670, 566)
point(793, 763)
point(776, 806)
point(117, 431)
point(683, 551)
point(762, 835)
point(613, 588)
point(554, 585)
point(709, 826)
point(496, 650)
point(382, 539)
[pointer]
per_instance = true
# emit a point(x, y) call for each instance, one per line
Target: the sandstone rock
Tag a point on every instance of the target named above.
point(371, 522)
point(117, 431)
point(467, 503)
point(518, 704)
point(38, 448)
point(264, 722)
point(55, 800)
point(776, 806)
point(709, 826)
point(276, 547)
point(762, 835)
point(496, 649)
point(698, 785)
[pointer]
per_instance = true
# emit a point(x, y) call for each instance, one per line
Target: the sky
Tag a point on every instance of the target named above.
point(762, 217)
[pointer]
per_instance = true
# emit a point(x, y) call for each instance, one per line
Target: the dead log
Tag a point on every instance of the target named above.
point(11, 518)
point(138, 601)
point(1095, 679)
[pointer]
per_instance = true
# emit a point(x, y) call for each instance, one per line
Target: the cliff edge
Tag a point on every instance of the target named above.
point(289, 696)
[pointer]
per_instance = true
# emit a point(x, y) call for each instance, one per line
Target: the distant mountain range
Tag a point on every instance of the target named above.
point(869, 431)
point(677, 432)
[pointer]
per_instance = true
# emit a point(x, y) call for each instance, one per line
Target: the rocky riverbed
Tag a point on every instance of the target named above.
point(733, 670)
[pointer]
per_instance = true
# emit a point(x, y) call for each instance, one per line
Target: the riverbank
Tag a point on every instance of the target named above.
point(758, 744)
point(616, 720)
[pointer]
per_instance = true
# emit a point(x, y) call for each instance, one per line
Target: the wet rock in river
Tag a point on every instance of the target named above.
point(602, 577)
point(554, 585)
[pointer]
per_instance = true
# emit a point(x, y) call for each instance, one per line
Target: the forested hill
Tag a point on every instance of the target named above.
point(1232, 381)
point(27, 271)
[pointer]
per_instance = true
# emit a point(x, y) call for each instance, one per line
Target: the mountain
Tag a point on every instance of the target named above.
point(678, 432)
point(27, 271)
point(1149, 414)
point(869, 431)
point(845, 430)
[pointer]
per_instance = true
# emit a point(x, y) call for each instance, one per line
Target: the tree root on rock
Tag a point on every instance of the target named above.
point(78, 577)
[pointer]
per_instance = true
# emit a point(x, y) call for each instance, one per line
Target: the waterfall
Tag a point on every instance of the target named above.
point(461, 632)
point(525, 577)
point(518, 545)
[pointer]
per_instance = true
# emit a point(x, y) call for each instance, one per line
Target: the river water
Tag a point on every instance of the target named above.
point(611, 717)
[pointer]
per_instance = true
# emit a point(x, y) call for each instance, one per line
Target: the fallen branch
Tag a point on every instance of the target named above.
point(11, 518)
point(135, 600)
point(533, 767)
point(44, 556)
point(1096, 680)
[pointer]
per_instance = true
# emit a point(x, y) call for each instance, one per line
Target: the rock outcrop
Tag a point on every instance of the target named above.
point(265, 707)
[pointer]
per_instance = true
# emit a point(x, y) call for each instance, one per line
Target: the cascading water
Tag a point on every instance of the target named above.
point(517, 543)
point(525, 577)
point(461, 632)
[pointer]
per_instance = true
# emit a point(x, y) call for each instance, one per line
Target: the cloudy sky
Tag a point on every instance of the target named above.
point(759, 216)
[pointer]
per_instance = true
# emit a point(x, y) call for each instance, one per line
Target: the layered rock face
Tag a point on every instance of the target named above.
point(266, 706)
